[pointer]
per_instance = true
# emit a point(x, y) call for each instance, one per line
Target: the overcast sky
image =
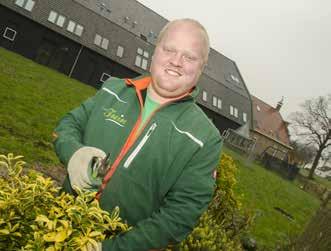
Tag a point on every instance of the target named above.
point(282, 47)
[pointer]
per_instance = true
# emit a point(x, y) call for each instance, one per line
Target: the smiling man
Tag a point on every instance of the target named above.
point(157, 149)
point(178, 61)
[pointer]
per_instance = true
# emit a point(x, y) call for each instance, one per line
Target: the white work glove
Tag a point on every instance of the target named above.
point(91, 247)
point(80, 168)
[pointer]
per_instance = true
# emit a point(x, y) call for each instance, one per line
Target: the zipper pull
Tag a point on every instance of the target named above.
point(151, 129)
point(139, 146)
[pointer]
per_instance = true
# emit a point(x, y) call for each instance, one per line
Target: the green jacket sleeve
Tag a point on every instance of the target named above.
point(183, 205)
point(70, 130)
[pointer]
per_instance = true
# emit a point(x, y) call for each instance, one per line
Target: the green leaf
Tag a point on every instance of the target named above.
point(95, 233)
point(61, 236)
point(4, 231)
point(50, 237)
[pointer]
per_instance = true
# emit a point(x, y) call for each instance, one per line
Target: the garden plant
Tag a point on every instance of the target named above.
point(36, 215)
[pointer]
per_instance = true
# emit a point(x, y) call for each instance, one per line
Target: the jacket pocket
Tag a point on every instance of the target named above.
point(139, 146)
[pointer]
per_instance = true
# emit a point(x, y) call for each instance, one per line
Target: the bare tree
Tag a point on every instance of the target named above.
point(326, 166)
point(303, 152)
point(312, 126)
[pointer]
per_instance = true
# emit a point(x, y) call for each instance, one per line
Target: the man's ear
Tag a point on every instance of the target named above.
point(203, 67)
point(150, 65)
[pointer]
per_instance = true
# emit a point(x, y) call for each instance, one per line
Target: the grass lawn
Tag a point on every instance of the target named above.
point(262, 191)
point(32, 99)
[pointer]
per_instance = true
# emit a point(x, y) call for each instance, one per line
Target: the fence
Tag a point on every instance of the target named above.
point(282, 167)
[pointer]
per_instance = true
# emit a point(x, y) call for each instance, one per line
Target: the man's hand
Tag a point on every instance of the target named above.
point(81, 167)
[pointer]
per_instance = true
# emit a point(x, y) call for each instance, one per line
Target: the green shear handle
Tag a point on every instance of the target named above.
point(100, 166)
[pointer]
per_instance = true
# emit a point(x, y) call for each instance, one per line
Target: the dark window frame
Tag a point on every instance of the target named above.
point(11, 30)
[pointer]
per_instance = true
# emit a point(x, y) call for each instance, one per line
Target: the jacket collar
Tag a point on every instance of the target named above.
point(142, 82)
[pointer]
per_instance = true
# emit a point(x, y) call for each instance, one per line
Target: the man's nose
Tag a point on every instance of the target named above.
point(176, 59)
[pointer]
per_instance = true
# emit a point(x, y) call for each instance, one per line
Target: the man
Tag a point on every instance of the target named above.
point(162, 149)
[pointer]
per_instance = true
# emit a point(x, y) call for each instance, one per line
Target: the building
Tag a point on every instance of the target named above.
point(269, 129)
point(92, 40)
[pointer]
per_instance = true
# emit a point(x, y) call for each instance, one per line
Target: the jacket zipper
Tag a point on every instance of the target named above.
point(140, 145)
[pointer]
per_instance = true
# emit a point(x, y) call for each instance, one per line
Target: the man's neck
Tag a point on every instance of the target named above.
point(161, 100)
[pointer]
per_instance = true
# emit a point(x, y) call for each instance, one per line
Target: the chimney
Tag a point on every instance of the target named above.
point(279, 104)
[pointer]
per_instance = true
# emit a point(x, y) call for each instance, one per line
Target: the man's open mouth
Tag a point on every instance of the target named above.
point(173, 73)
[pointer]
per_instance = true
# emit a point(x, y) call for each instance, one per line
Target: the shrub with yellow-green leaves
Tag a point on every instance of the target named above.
point(219, 228)
point(34, 215)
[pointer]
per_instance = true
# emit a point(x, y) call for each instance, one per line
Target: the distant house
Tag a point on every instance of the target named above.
point(269, 129)
point(92, 40)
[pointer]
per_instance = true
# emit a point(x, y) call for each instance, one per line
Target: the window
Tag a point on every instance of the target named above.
point(219, 103)
point(234, 111)
point(214, 101)
point(104, 43)
point(9, 34)
point(231, 110)
point(138, 61)
point(142, 58)
point(26, 4)
point(120, 51)
point(101, 41)
point(97, 39)
point(140, 51)
point(71, 26)
point(235, 79)
point(204, 96)
point(60, 21)
point(75, 28)
point(56, 18)
point(20, 2)
point(151, 36)
point(29, 5)
point(104, 77)
point(144, 64)
point(258, 108)
point(244, 116)
point(79, 30)
point(52, 16)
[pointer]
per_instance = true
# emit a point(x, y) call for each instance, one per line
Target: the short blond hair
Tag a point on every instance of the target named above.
point(193, 22)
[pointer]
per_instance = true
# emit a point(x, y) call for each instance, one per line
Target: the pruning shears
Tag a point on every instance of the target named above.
point(100, 166)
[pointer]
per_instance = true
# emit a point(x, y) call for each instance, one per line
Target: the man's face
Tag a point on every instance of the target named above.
point(177, 61)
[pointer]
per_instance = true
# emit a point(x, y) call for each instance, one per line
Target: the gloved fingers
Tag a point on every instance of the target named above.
point(95, 246)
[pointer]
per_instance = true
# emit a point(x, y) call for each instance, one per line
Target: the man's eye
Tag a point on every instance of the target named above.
point(168, 49)
point(189, 58)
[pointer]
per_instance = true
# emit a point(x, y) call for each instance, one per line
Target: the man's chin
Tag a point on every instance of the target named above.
point(168, 91)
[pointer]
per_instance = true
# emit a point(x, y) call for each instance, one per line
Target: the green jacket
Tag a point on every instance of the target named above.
point(162, 179)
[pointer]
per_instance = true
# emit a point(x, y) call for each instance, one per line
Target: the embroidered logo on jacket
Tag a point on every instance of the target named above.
point(112, 115)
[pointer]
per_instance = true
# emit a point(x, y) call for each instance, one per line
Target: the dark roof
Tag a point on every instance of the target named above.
point(269, 121)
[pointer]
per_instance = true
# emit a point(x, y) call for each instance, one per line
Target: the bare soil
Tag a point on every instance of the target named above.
point(57, 173)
